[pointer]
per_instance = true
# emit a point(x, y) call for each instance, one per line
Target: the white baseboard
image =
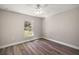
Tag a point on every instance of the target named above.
point(73, 46)
point(69, 45)
point(18, 42)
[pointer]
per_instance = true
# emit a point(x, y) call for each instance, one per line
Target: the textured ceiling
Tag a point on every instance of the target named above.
point(29, 9)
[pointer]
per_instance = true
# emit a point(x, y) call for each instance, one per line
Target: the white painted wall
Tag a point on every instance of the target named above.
point(63, 27)
point(12, 27)
point(37, 25)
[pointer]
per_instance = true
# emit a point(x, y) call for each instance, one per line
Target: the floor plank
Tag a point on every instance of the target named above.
point(39, 47)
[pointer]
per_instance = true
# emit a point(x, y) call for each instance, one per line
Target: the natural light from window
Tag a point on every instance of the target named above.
point(28, 29)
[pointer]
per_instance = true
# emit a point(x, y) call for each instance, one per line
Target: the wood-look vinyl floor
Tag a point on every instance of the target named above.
point(39, 47)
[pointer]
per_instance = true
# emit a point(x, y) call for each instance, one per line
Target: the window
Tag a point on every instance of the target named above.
point(28, 29)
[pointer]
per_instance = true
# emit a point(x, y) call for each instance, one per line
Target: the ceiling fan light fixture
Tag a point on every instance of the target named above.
point(38, 12)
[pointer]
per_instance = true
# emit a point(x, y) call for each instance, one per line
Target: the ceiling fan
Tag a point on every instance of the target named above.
point(39, 8)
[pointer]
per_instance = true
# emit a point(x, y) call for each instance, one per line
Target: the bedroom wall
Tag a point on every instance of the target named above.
point(63, 27)
point(12, 27)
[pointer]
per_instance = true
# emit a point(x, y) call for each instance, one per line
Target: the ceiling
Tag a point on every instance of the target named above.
point(46, 9)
